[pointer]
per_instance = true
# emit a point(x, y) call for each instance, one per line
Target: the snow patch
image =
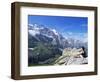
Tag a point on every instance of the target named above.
point(34, 32)
point(30, 25)
point(56, 33)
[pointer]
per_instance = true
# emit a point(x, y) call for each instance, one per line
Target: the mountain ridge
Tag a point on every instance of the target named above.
point(57, 38)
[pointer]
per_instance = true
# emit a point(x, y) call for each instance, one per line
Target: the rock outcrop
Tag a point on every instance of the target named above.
point(71, 56)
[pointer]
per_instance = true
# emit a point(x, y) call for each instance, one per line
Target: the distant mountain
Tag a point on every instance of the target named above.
point(74, 43)
point(40, 33)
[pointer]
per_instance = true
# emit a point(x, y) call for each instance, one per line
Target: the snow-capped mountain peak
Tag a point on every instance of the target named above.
point(33, 29)
point(34, 32)
point(37, 29)
point(30, 25)
point(56, 33)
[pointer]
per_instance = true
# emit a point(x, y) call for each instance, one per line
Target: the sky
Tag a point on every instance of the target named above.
point(65, 25)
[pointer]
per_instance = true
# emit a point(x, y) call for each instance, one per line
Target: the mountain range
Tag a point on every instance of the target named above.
point(45, 43)
point(45, 34)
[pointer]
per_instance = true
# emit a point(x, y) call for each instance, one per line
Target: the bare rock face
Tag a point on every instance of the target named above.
point(71, 57)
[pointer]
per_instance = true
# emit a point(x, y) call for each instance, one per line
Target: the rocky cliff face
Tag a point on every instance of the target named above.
point(71, 56)
point(40, 33)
